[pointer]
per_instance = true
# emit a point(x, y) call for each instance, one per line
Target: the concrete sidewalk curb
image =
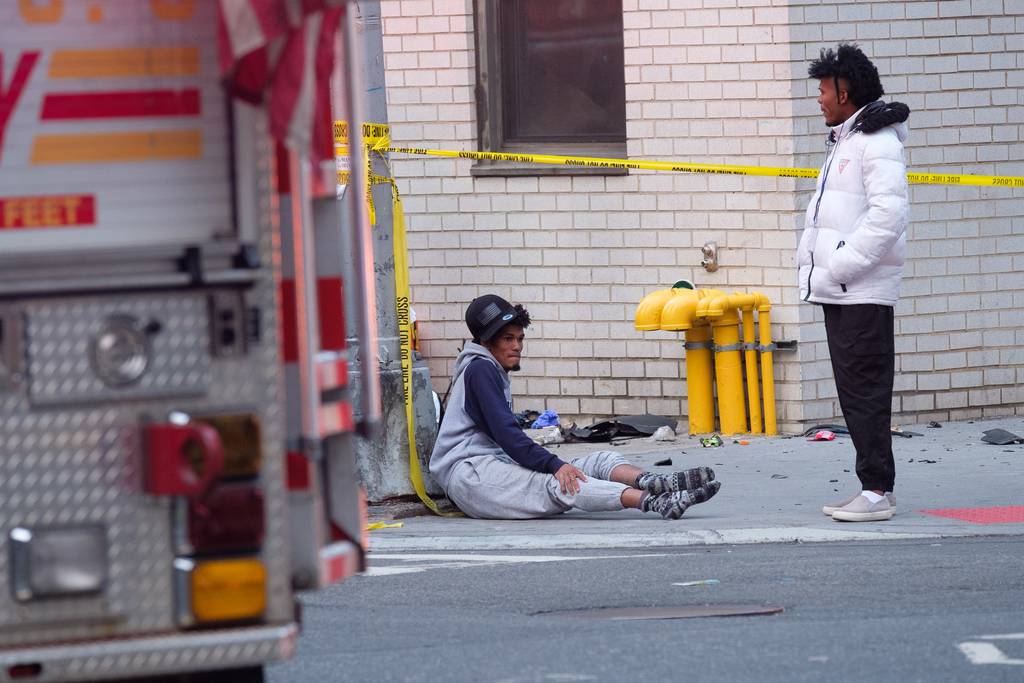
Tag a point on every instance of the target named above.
point(604, 540)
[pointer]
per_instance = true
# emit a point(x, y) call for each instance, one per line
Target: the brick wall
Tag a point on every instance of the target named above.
point(722, 81)
point(959, 65)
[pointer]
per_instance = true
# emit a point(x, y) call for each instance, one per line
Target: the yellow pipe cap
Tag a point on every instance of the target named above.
point(679, 311)
point(648, 312)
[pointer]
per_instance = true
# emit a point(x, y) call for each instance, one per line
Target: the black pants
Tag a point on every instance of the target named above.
point(860, 341)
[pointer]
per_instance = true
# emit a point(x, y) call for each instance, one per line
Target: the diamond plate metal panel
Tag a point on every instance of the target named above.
point(69, 469)
point(138, 657)
point(60, 336)
point(65, 463)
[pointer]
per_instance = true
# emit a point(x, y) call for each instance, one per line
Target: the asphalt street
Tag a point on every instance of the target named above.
point(949, 609)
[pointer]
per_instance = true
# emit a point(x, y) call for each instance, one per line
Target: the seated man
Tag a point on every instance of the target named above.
point(491, 470)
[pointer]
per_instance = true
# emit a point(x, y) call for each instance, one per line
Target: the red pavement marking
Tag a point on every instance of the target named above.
point(1004, 514)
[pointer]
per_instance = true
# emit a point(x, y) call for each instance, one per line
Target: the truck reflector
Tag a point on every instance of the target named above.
point(228, 590)
point(241, 437)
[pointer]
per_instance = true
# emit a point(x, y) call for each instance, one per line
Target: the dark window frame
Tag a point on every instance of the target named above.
point(490, 120)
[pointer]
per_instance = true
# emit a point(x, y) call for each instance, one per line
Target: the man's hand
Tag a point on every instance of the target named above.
point(569, 478)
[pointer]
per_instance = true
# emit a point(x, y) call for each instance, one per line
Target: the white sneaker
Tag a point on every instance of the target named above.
point(860, 509)
point(829, 509)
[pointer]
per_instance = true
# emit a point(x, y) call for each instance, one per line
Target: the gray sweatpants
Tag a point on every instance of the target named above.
point(488, 488)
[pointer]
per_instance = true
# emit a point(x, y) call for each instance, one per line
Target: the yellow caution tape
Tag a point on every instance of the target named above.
point(726, 169)
point(377, 137)
point(373, 526)
point(405, 341)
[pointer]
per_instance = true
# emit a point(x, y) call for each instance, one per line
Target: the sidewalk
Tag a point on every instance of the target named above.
point(772, 492)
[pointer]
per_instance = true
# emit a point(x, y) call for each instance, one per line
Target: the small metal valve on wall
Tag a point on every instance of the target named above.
point(710, 253)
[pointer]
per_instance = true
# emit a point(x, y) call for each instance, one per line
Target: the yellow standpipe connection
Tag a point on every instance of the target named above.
point(764, 322)
point(732, 412)
point(708, 315)
point(679, 313)
point(750, 358)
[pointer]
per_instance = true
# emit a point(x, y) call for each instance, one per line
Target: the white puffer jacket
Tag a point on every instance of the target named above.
point(854, 241)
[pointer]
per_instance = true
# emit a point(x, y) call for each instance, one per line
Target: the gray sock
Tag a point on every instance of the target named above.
point(673, 504)
point(687, 480)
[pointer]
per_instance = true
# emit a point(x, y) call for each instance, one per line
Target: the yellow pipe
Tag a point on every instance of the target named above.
point(700, 399)
point(720, 308)
point(679, 313)
point(732, 413)
point(750, 356)
point(764, 322)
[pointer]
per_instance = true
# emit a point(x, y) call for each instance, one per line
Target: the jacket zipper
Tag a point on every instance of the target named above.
point(814, 222)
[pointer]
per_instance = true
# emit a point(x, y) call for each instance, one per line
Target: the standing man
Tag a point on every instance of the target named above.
point(491, 470)
point(851, 259)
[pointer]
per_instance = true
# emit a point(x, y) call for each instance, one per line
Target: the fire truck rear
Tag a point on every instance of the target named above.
point(147, 465)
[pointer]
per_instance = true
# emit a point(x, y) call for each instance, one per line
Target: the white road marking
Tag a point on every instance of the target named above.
point(1004, 636)
point(462, 561)
point(437, 543)
point(701, 582)
point(986, 653)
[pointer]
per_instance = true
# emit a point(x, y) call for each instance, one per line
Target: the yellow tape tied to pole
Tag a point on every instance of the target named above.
point(375, 139)
point(405, 341)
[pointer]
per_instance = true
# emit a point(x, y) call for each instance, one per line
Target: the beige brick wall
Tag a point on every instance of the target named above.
point(959, 65)
point(722, 81)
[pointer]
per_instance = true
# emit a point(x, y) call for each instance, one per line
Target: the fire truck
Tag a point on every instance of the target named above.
point(175, 420)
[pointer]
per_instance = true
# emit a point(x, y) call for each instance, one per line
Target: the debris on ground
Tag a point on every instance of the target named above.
point(1000, 437)
point(834, 428)
point(548, 418)
point(780, 476)
point(896, 430)
point(663, 433)
point(374, 526)
point(934, 425)
point(526, 418)
point(548, 435)
point(823, 435)
point(742, 442)
point(624, 426)
point(713, 441)
point(667, 462)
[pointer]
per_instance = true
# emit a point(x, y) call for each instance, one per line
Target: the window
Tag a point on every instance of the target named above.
point(550, 79)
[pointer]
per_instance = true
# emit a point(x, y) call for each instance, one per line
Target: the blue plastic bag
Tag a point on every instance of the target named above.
point(547, 419)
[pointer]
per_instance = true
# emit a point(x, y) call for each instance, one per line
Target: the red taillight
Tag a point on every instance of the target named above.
point(228, 517)
point(24, 670)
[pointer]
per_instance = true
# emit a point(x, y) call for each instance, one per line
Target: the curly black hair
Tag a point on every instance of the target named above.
point(854, 67)
point(522, 317)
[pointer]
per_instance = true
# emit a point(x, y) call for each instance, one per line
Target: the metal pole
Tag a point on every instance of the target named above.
point(307, 330)
point(362, 237)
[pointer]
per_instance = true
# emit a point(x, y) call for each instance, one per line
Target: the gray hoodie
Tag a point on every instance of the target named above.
point(479, 421)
